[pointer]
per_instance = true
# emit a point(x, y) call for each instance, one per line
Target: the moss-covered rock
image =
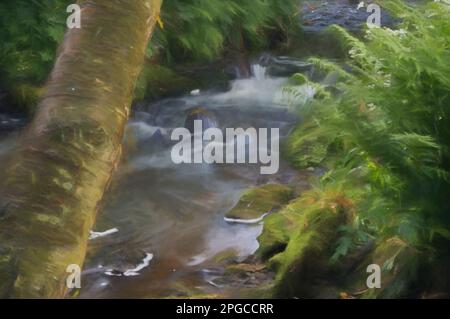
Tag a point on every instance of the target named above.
point(274, 238)
point(307, 254)
point(307, 228)
point(199, 114)
point(256, 202)
point(157, 81)
point(399, 263)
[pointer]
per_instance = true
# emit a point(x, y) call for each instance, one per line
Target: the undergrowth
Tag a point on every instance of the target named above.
point(384, 133)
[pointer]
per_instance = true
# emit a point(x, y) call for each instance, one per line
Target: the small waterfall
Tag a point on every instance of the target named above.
point(259, 72)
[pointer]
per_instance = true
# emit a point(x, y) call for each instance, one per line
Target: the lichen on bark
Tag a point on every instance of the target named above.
point(54, 184)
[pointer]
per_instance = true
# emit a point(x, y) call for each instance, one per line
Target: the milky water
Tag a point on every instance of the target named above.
point(162, 223)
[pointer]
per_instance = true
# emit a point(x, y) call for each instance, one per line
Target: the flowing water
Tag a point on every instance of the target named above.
point(174, 214)
point(162, 224)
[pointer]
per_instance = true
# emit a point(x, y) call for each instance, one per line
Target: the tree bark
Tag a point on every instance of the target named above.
point(54, 185)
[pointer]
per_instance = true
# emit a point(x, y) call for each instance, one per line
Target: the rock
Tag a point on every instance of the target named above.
point(157, 81)
point(274, 238)
point(283, 66)
point(244, 268)
point(198, 113)
point(399, 263)
point(9, 124)
point(298, 240)
point(257, 202)
point(129, 264)
point(225, 256)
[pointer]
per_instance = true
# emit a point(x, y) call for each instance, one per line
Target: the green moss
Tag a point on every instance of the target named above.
point(258, 201)
point(74, 140)
point(307, 228)
point(299, 79)
point(399, 264)
point(274, 238)
point(307, 253)
point(156, 81)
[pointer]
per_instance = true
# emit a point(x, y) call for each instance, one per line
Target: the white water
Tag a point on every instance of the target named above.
point(177, 211)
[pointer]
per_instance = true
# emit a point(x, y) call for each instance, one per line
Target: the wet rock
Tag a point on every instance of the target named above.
point(245, 269)
point(159, 138)
point(11, 118)
point(141, 136)
point(9, 124)
point(283, 66)
point(257, 202)
point(198, 113)
point(226, 256)
point(129, 264)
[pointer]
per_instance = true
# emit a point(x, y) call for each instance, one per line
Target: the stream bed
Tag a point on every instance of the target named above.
point(161, 229)
point(165, 222)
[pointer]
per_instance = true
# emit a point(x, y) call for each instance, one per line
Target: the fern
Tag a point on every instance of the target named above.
point(388, 132)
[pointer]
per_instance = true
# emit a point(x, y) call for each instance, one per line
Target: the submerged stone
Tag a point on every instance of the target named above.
point(199, 113)
point(257, 202)
point(225, 256)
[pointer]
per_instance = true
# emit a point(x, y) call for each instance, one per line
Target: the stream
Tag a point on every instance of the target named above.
point(162, 225)
point(167, 220)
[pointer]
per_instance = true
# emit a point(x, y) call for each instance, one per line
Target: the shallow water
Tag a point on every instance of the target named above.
point(162, 224)
point(176, 212)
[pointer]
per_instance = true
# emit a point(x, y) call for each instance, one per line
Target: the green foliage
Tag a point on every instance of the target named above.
point(30, 32)
point(296, 240)
point(401, 267)
point(202, 29)
point(387, 133)
point(189, 30)
point(156, 81)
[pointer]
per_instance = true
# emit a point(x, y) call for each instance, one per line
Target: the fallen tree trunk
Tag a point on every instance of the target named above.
point(56, 180)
